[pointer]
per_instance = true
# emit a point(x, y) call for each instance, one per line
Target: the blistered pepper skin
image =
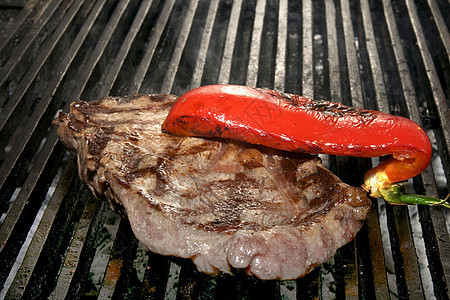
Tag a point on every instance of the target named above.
point(295, 123)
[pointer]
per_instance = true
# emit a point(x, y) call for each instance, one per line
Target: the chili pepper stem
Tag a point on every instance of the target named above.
point(394, 194)
point(376, 182)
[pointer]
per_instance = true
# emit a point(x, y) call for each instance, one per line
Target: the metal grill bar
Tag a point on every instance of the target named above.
point(311, 284)
point(156, 34)
point(176, 56)
point(41, 235)
point(352, 56)
point(444, 117)
point(345, 262)
point(373, 220)
point(18, 24)
point(225, 66)
point(360, 53)
point(86, 72)
point(426, 177)
point(12, 169)
point(255, 47)
point(333, 54)
point(125, 48)
point(11, 111)
point(74, 252)
point(280, 70)
point(438, 92)
point(307, 34)
point(27, 41)
point(206, 37)
point(440, 23)
point(10, 246)
point(374, 57)
point(117, 265)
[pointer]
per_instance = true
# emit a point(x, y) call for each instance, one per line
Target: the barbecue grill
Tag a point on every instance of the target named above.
point(57, 241)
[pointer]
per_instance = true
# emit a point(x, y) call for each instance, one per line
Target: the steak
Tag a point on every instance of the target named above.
point(226, 205)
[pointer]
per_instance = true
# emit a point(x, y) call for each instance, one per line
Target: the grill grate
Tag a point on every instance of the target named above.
point(391, 56)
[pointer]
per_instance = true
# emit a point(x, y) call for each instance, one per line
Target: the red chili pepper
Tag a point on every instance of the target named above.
point(295, 123)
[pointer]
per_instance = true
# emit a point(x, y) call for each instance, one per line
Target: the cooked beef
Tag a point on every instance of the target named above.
point(225, 205)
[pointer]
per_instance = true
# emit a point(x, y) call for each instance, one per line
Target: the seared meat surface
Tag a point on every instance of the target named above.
point(225, 205)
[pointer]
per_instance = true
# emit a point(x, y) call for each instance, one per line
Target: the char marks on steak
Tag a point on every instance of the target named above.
point(225, 205)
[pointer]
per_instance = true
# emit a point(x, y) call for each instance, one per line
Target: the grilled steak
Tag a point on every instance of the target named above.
point(225, 205)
